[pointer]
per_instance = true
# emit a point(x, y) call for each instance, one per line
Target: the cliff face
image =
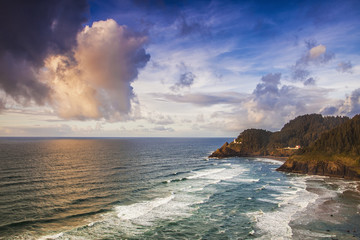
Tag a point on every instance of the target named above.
point(224, 150)
point(324, 168)
point(335, 153)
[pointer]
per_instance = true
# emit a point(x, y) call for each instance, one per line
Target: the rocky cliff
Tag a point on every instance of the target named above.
point(314, 166)
point(335, 153)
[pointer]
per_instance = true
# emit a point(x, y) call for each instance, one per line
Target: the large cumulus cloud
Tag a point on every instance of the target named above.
point(48, 58)
point(29, 32)
point(96, 82)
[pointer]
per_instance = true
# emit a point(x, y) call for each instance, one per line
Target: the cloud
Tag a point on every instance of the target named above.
point(2, 105)
point(267, 92)
point(349, 107)
point(37, 131)
point(96, 82)
point(200, 118)
point(163, 129)
point(299, 74)
point(160, 119)
point(317, 51)
point(329, 110)
point(202, 99)
point(188, 26)
point(29, 33)
point(48, 58)
point(316, 54)
point(344, 67)
point(309, 81)
point(270, 98)
point(18, 80)
point(185, 80)
point(271, 104)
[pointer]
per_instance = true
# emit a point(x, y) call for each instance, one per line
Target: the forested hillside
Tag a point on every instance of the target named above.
point(301, 132)
point(335, 153)
point(344, 139)
point(304, 130)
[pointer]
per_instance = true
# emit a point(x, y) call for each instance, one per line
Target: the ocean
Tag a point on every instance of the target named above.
point(163, 188)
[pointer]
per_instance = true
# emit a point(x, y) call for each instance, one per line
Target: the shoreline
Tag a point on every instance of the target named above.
point(282, 159)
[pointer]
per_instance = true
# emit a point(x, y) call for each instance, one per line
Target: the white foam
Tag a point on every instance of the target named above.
point(139, 209)
point(268, 160)
point(50, 237)
point(226, 164)
point(206, 173)
point(345, 185)
point(313, 235)
point(245, 180)
point(275, 224)
point(267, 200)
point(175, 200)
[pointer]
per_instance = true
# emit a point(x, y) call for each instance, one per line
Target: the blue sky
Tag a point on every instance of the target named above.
point(176, 68)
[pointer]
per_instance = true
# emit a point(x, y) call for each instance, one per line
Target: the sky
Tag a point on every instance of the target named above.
point(161, 68)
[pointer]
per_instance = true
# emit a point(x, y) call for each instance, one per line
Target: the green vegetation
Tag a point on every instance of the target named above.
point(302, 131)
point(341, 144)
point(329, 145)
point(254, 140)
point(344, 139)
point(335, 153)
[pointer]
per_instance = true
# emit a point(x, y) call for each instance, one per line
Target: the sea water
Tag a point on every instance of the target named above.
point(163, 188)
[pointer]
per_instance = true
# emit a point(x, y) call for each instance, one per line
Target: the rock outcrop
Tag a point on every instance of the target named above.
point(232, 150)
point(324, 168)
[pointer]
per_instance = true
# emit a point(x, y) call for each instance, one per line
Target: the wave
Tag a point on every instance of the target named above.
point(178, 198)
point(174, 174)
point(206, 173)
point(268, 160)
point(139, 209)
point(291, 201)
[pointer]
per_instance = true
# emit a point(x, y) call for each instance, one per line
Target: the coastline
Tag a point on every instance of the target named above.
point(282, 159)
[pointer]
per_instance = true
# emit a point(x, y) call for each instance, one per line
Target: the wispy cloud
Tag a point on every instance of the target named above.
point(344, 67)
point(202, 99)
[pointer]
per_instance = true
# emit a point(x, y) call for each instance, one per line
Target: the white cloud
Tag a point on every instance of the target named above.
point(349, 107)
point(96, 82)
point(316, 51)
